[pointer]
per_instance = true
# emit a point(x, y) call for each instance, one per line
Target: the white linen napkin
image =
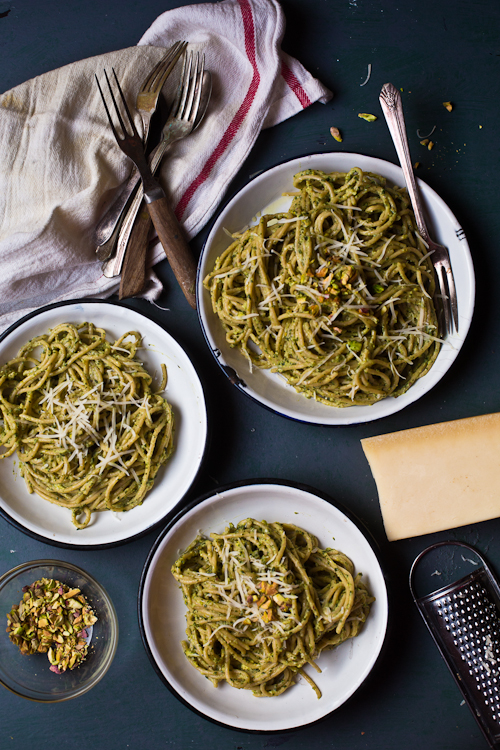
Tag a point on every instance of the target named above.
point(61, 163)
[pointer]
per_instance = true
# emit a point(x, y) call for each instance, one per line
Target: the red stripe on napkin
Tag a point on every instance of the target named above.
point(294, 83)
point(234, 125)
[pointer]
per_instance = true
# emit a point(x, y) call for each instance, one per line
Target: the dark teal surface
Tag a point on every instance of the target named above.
point(435, 50)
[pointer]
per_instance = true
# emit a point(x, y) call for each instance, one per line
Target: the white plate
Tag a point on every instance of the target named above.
point(264, 195)
point(162, 610)
point(184, 392)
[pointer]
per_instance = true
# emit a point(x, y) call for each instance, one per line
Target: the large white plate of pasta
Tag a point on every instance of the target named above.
point(315, 290)
point(102, 435)
point(275, 506)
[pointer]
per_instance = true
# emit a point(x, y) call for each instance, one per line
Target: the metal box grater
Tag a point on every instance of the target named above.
point(464, 621)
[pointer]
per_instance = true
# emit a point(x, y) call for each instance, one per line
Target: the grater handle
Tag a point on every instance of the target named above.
point(444, 544)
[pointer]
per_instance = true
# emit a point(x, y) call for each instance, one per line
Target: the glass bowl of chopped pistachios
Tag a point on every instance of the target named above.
point(60, 631)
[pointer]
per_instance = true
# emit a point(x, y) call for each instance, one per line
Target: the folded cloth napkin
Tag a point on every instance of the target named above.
point(61, 164)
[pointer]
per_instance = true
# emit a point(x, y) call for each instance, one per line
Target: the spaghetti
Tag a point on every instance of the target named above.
point(90, 434)
point(262, 601)
point(336, 294)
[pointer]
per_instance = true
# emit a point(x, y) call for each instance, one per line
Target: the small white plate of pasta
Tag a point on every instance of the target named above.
point(315, 290)
point(232, 561)
point(103, 433)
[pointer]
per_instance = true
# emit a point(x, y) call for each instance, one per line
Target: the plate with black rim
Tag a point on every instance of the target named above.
point(52, 523)
point(162, 610)
point(263, 195)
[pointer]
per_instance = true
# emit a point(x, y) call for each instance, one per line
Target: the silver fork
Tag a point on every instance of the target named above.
point(146, 104)
point(390, 101)
point(147, 98)
point(137, 245)
point(184, 113)
point(169, 232)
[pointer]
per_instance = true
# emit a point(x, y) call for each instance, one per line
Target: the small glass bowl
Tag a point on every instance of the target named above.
point(29, 675)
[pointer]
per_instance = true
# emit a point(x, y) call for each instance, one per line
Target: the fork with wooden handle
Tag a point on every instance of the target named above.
point(133, 241)
point(169, 232)
point(146, 104)
point(188, 108)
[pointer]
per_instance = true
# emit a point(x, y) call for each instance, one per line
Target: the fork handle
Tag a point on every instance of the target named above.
point(175, 246)
point(392, 107)
point(133, 275)
point(104, 229)
point(121, 241)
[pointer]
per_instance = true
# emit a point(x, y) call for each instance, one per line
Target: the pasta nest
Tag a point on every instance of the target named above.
point(336, 295)
point(89, 433)
point(263, 600)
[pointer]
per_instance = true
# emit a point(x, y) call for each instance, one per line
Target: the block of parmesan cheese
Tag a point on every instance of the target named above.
point(437, 477)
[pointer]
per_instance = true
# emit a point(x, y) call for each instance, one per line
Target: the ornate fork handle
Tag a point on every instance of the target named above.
point(390, 101)
point(102, 236)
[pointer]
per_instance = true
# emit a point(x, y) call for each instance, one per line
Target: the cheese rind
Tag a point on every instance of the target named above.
point(437, 477)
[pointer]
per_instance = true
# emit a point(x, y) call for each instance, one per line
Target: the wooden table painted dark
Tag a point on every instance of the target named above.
point(435, 50)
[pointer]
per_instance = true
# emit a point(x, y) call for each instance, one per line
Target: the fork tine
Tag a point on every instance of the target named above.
point(154, 80)
point(159, 74)
point(106, 108)
point(197, 88)
point(117, 109)
point(191, 88)
point(175, 104)
point(443, 288)
point(453, 296)
point(125, 105)
point(185, 77)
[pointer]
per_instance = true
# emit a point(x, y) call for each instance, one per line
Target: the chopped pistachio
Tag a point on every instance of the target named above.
point(336, 134)
point(355, 346)
point(268, 615)
point(367, 117)
point(430, 145)
point(424, 142)
point(416, 165)
point(448, 106)
point(268, 588)
point(70, 593)
point(44, 620)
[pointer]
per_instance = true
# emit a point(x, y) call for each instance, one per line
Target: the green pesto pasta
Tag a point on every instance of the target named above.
point(89, 433)
point(336, 295)
point(263, 600)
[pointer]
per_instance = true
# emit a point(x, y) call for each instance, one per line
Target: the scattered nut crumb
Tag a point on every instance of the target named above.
point(367, 117)
point(416, 165)
point(336, 134)
point(430, 145)
point(424, 142)
point(448, 106)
